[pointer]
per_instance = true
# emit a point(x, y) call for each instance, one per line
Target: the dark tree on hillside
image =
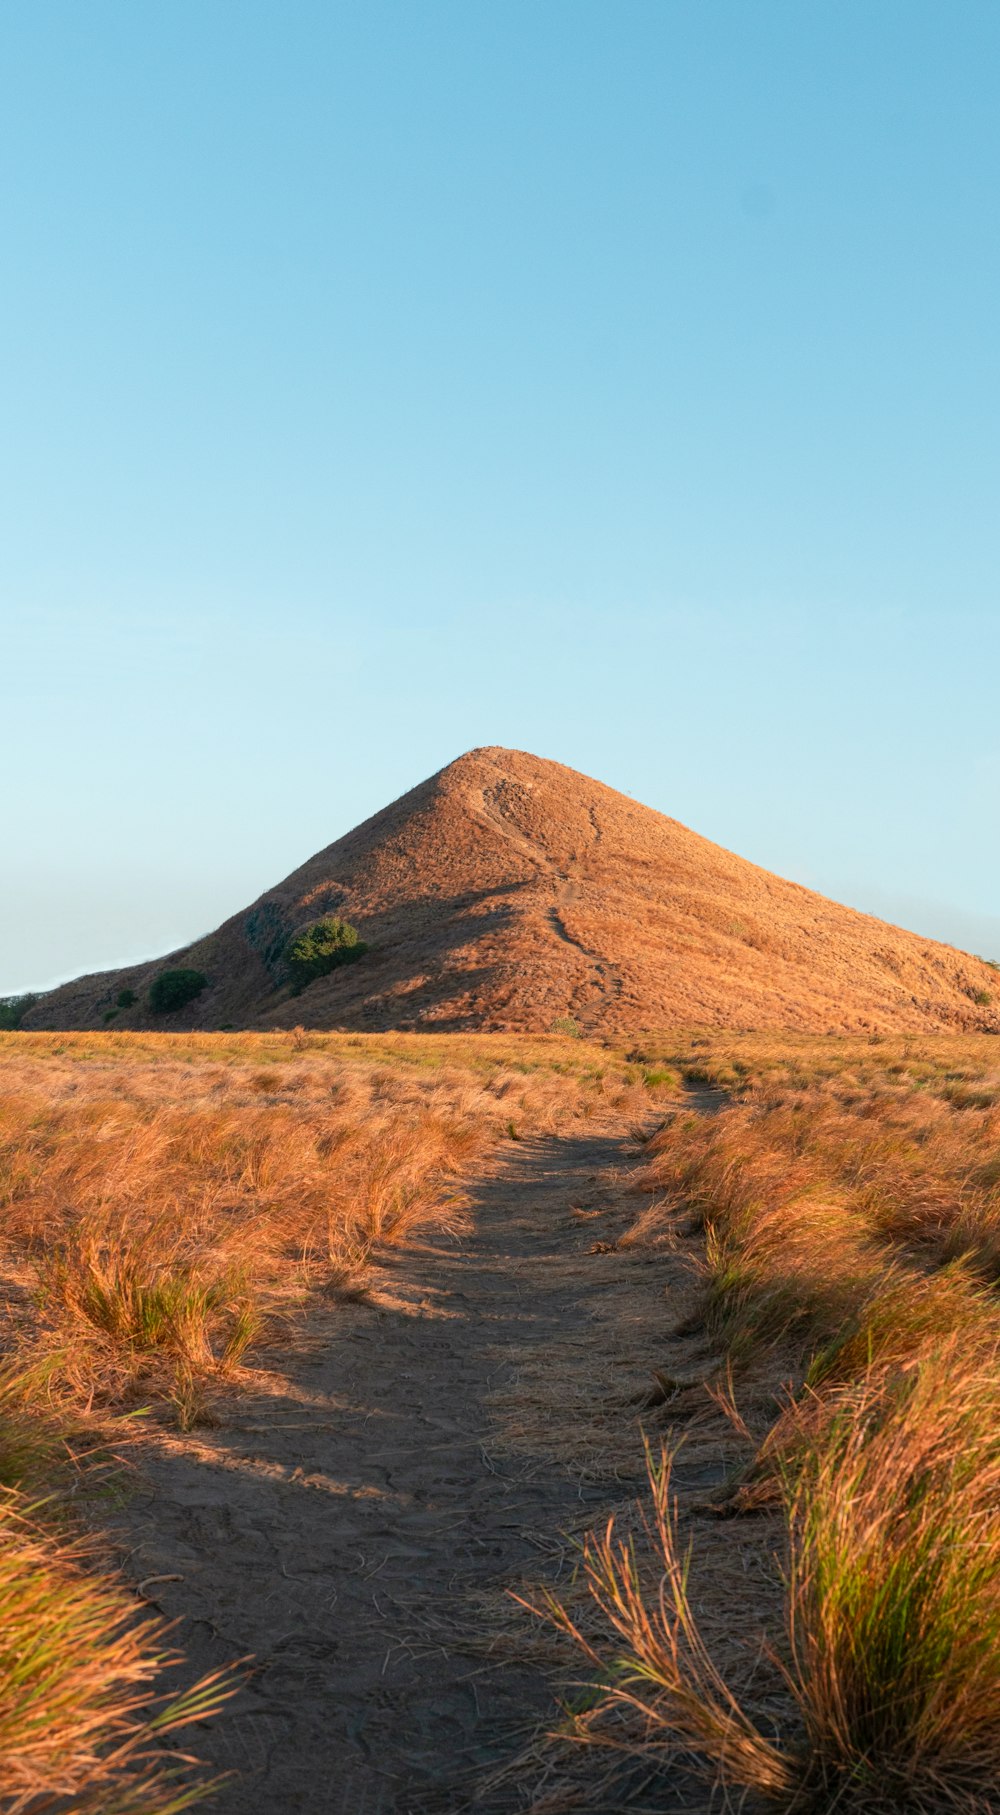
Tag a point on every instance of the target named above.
point(172, 989)
point(321, 948)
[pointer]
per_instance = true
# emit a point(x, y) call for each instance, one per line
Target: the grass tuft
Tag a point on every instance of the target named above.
point(884, 1690)
point(82, 1724)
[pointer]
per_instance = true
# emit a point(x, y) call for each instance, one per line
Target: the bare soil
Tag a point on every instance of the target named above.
point(356, 1523)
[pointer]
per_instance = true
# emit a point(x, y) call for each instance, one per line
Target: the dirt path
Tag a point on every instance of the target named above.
point(414, 1455)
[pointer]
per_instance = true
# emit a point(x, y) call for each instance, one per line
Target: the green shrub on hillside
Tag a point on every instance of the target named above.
point(567, 1024)
point(173, 989)
point(13, 1010)
point(320, 948)
point(127, 998)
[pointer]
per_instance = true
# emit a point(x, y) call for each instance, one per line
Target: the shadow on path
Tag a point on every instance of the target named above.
point(336, 1527)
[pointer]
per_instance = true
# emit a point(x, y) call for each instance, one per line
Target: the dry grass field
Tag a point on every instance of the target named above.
point(841, 1216)
point(814, 1227)
point(168, 1205)
point(164, 1201)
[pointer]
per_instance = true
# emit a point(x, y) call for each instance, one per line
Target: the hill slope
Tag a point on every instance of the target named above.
point(507, 891)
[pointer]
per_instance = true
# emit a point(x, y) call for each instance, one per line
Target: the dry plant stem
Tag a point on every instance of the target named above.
point(662, 1671)
point(893, 1613)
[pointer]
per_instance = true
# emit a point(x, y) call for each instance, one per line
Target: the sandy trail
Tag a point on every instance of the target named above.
point(414, 1454)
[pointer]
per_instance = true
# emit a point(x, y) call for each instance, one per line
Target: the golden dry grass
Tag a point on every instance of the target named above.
point(165, 1200)
point(170, 1202)
point(82, 1717)
point(166, 1204)
point(848, 1200)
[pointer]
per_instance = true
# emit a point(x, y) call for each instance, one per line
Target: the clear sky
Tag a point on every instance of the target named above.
point(616, 381)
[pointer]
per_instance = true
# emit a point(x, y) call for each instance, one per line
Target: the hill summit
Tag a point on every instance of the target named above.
point(507, 892)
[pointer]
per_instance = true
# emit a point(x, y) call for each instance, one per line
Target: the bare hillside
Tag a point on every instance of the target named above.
point(507, 891)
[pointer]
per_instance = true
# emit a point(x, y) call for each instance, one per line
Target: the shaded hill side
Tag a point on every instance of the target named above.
point(507, 891)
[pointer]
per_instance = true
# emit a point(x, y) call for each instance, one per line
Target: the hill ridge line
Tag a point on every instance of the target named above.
point(507, 892)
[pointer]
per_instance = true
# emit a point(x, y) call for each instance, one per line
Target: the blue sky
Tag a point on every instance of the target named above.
point(615, 381)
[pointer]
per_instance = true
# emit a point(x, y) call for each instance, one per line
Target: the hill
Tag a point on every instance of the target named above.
point(506, 892)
